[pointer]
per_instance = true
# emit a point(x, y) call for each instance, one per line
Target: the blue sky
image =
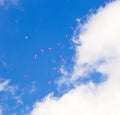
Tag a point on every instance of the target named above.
point(46, 24)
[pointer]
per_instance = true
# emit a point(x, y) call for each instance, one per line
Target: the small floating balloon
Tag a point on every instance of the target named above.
point(105, 2)
point(59, 44)
point(42, 50)
point(66, 36)
point(26, 37)
point(26, 76)
point(35, 56)
point(50, 49)
point(49, 82)
point(61, 56)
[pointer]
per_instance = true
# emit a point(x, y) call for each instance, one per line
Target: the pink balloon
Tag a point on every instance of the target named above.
point(26, 37)
point(105, 2)
point(50, 49)
point(26, 76)
point(35, 56)
point(61, 56)
point(66, 35)
point(59, 44)
point(42, 50)
point(49, 82)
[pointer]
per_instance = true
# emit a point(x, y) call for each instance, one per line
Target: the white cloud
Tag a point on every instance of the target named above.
point(6, 3)
point(33, 88)
point(8, 92)
point(99, 50)
point(1, 2)
point(3, 84)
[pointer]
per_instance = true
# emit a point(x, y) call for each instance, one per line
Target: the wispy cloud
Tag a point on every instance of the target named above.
point(33, 87)
point(8, 92)
point(1, 2)
point(99, 51)
point(3, 84)
point(6, 3)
